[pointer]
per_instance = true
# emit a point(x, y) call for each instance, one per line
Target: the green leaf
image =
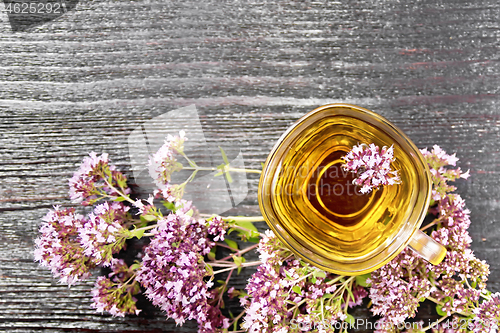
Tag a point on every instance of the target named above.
point(247, 225)
point(211, 254)
point(224, 157)
point(361, 280)
point(297, 290)
point(319, 274)
point(232, 244)
point(350, 320)
point(169, 205)
point(119, 199)
point(254, 239)
point(135, 266)
point(190, 212)
point(349, 291)
point(238, 260)
point(149, 217)
point(228, 177)
point(138, 233)
point(439, 310)
point(121, 181)
point(209, 269)
point(486, 292)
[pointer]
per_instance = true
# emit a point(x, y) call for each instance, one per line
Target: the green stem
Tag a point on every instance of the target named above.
point(149, 227)
point(222, 264)
point(130, 279)
point(236, 320)
point(225, 246)
point(244, 170)
point(347, 286)
point(188, 159)
point(336, 279)
point(197, 168)
point(244, 218)
point(238, 253)
point(225, 285)
point(245, 264)
point(117, 190)
point(298, 280)
point(466, 314)
point(297, 305)
point(247, 230)
point(432, 299)
point(433, 223)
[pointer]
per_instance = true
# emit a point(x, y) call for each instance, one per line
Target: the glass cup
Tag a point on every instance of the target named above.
point(310, 203)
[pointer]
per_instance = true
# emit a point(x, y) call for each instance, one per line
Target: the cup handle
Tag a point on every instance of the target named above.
point(427, 248)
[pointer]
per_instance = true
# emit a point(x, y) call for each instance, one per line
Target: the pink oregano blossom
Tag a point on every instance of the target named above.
point(163, 163)
point(58, 248)
point(374, 166)
point(174, 273)
point(103, 233)
point(285, 292)
point(115, 293)
point(96, 179)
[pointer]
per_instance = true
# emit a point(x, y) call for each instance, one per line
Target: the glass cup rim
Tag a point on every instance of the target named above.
point(398, 244)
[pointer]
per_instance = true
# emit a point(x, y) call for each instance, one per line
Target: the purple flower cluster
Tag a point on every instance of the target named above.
point(115, 293)
point(437, 159)
point(163, 163)
point(173, 272)
point(217, 227)
point(398, 287)
point(396, 290)
point(91, 182)
point(487, 316)
point(58, 246)
point(70, 244)
point(103, 234)
point(268, 307)
point(374, 164)
point(285, 288)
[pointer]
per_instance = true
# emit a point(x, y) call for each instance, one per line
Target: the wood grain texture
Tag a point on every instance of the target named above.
point(84, 81)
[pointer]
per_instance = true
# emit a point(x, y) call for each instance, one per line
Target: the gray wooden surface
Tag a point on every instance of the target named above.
point(85, 80)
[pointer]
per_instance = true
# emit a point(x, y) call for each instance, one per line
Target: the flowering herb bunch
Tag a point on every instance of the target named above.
point(180, 270)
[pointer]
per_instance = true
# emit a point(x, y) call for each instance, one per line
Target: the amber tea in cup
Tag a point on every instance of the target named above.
point(311, 204)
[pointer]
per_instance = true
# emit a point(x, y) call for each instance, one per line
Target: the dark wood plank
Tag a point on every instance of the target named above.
point(84, 81)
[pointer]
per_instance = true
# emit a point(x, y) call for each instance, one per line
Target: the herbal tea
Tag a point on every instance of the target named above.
point(310, 202)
